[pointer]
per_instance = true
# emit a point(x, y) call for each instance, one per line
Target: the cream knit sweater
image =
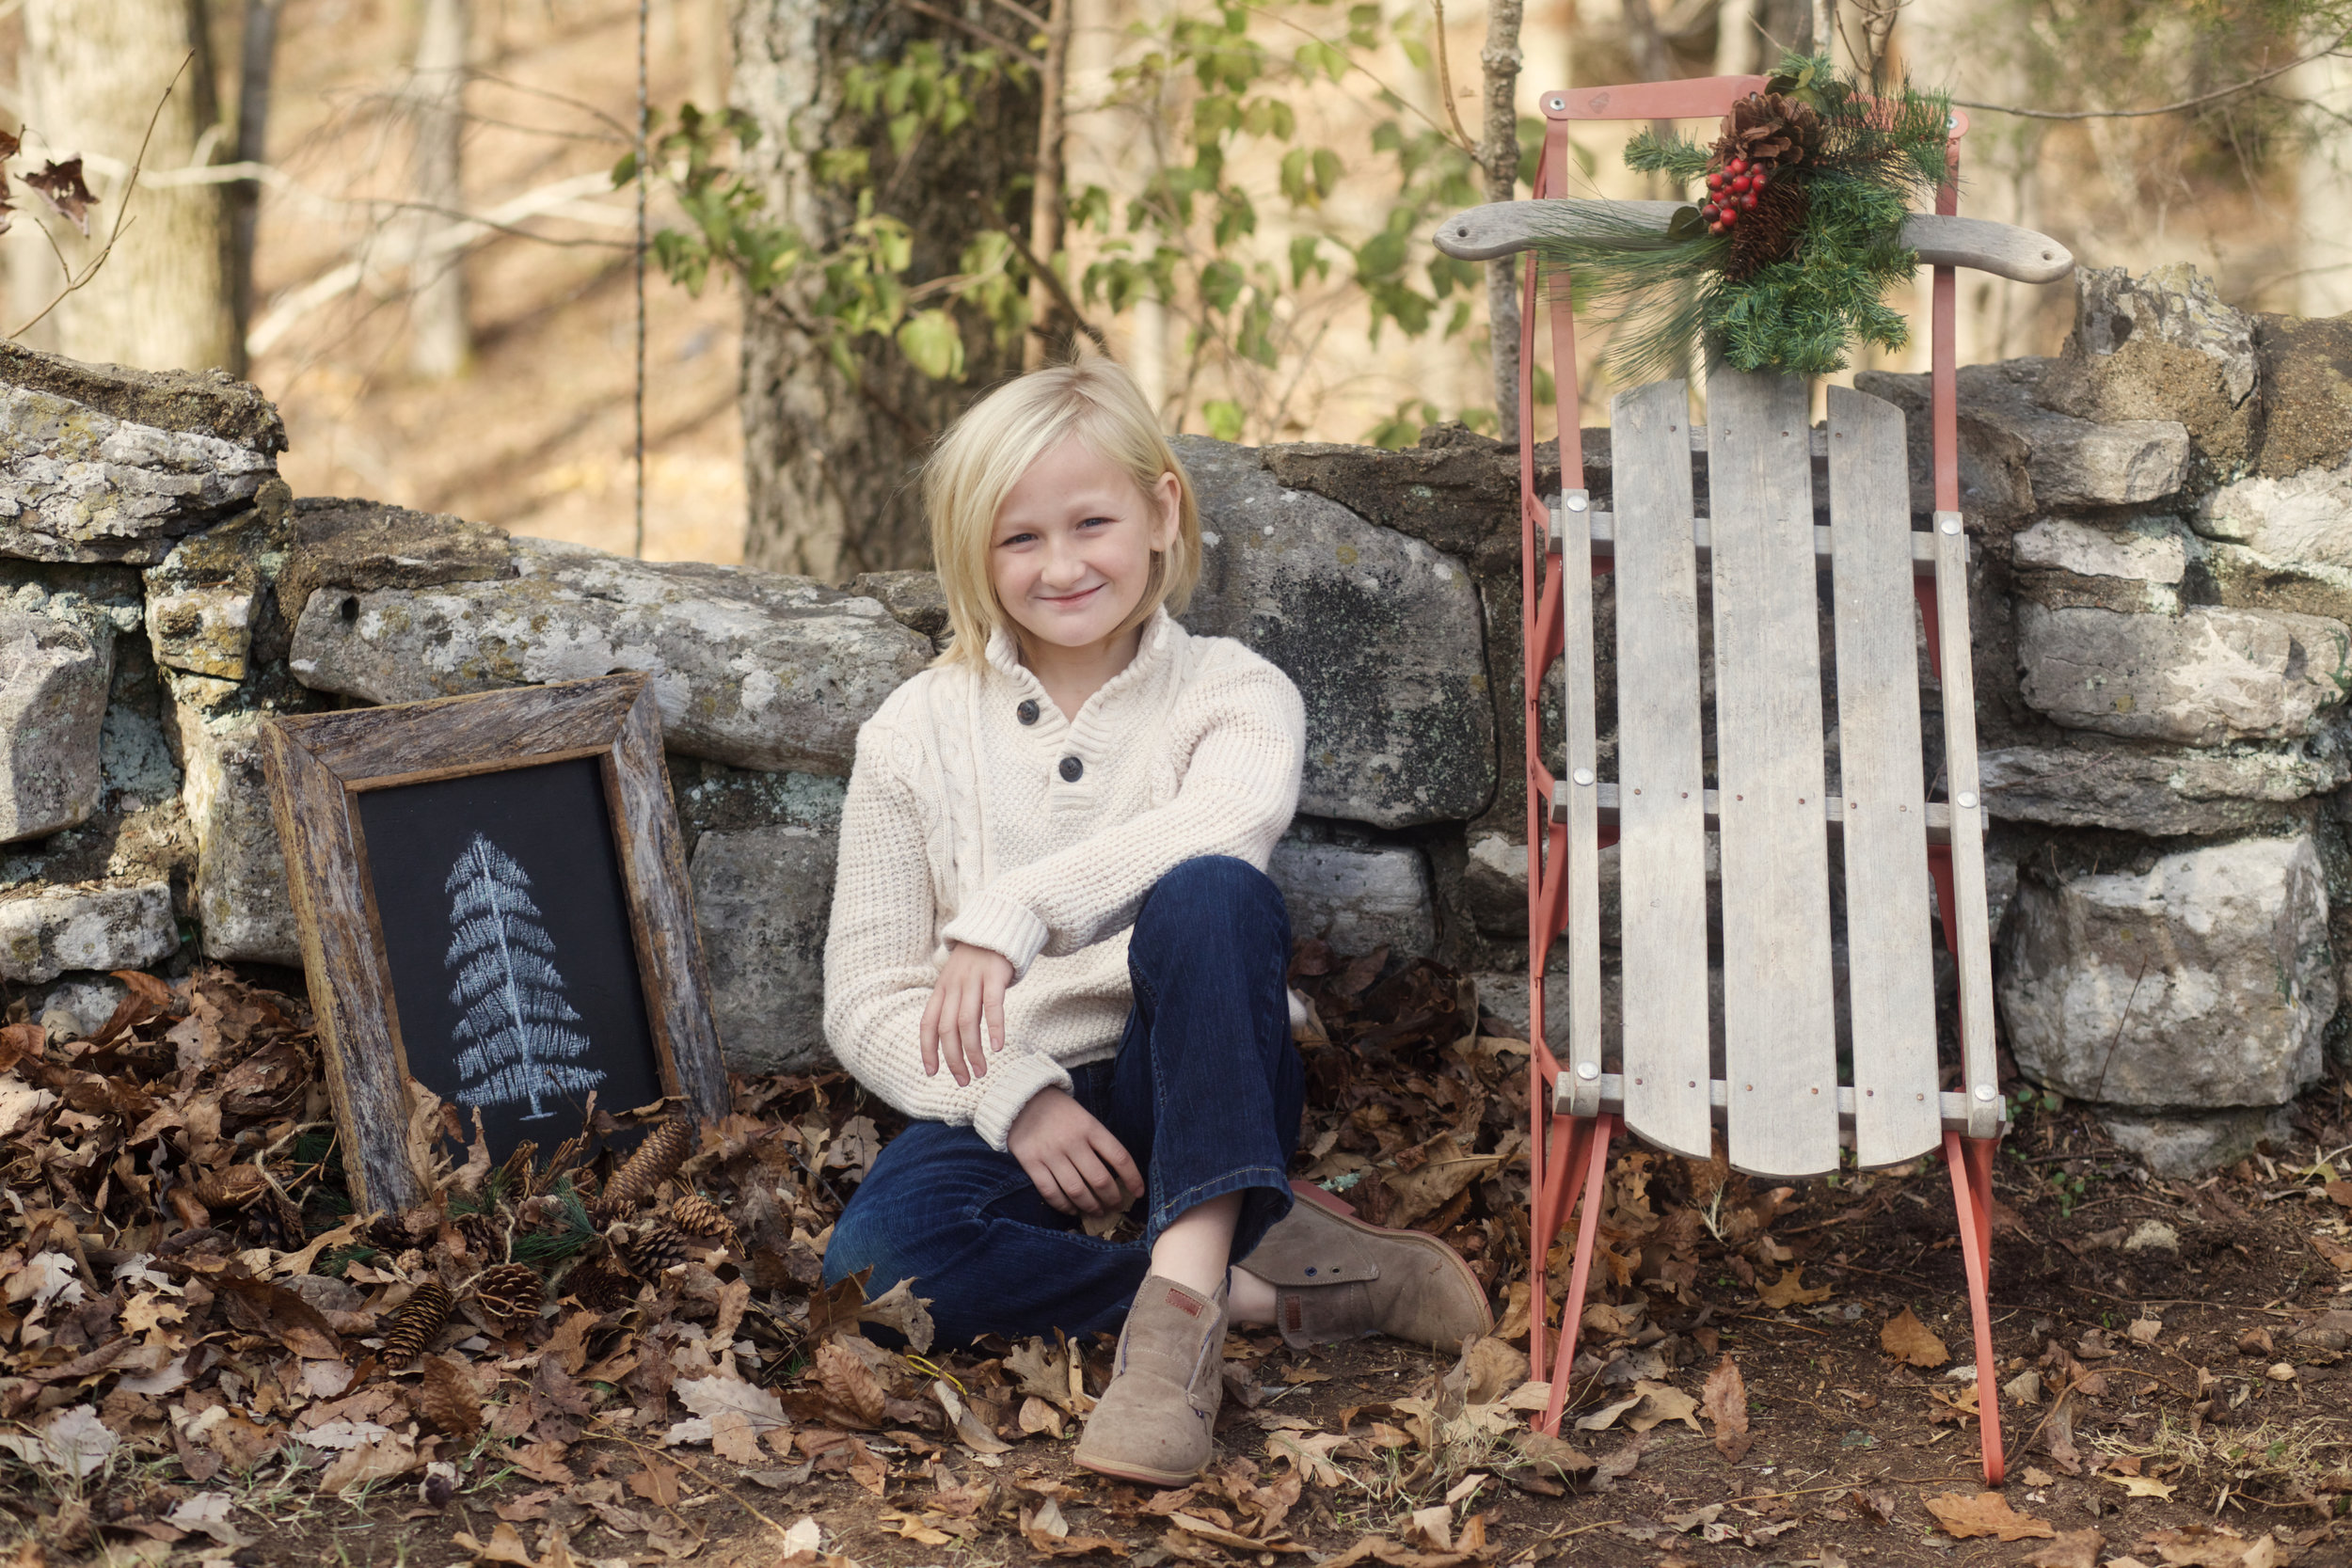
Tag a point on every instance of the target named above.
point(963, 824)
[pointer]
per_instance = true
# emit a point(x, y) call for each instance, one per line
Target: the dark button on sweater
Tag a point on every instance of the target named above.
point(1026, 712)
point(1070, 770)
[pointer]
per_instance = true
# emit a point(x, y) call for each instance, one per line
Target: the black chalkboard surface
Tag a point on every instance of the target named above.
point(506, 926)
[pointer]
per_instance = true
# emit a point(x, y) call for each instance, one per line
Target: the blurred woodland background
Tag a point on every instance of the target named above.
point(414, 222)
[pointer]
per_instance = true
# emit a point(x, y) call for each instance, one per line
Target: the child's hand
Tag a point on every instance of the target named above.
point(1072, 1158)
point(967, 1002)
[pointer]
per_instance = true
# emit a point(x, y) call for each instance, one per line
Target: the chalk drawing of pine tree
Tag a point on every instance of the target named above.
point(515, 1047)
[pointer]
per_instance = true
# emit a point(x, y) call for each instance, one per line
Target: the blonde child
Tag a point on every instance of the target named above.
point(1055, 946)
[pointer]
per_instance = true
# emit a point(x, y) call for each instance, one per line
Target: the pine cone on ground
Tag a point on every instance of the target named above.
point(650, 1246)
point(599, 1285)
point(513, 1178)
point(414, 1322)
point(1769, 131)
point(655, 1159)
point(701, 1217)
point(272, 1222)
point(231, 1188)
point(484, 1238)
point(510, 1295)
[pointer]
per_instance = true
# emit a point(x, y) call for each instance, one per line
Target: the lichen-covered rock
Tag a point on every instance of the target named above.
point(2018, 457)
point(204, 599)
point(763, 896)
point(2162, 346)
point(1356, 898)
point(2202, 678)
point(2090, 781)
point(2203, 980)
point(2306, 393)
point(45, 931)
point(915, 599)
point(54, 678)
point(1380, 632)
point(101, 462)
point(2281, 542)
point(749, 668)
point(2148, 550)
point(242, 901)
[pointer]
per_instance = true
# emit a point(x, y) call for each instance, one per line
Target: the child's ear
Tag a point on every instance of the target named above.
point(1167, 500)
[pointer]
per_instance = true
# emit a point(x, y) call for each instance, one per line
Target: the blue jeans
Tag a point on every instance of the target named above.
point(1204, 1094)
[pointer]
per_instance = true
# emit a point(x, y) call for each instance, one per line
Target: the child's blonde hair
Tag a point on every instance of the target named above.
point(984, 455)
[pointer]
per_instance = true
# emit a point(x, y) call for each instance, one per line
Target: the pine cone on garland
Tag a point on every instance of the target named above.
point(1769, 131)
point(1770, 232)
point(510, 1295)
point(656, 1159)
point(414, 1322)
point(650, 1246)
point(701, 1217)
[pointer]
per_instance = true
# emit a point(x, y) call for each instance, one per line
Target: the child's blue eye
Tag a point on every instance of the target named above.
point(1091, 521)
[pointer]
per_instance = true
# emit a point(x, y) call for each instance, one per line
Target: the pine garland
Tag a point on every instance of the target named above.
point(1805, 279)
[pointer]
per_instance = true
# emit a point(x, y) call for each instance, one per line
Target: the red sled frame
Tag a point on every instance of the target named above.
point(1568, 1155)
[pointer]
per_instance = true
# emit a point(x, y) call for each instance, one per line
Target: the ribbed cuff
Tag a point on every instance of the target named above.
point(1001, 926)
point(1011, 1082)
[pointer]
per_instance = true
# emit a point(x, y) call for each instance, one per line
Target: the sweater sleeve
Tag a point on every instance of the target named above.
point(1240, 788)
point(880, 963)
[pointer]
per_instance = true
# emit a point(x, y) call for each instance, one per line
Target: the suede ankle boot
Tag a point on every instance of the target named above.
point(1157, 1422)
point(1338, 1277)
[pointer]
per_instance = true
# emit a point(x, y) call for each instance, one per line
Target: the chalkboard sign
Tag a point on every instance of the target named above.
point(492, 903)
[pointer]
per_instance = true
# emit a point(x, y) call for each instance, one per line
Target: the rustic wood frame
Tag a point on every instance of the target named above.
point(317, 763)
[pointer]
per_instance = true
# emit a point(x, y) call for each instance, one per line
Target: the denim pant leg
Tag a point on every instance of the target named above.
point(966, 1225)
point(1207, 1087)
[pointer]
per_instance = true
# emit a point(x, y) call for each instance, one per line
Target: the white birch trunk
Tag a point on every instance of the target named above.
point(439, 344)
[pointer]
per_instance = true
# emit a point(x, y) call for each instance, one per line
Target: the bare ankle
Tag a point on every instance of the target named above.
point(1248, 1299)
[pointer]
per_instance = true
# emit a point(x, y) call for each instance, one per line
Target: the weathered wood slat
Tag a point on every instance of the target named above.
point(1580, 798)
point(1951, 1109)
point(1661, 810)
point(1779, 1005)
point(1973, 942)
point(1890, 970)
point(1503, 227)
point(1832, 813)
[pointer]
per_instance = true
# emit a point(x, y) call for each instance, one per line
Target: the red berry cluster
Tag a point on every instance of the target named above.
point(1730, 191)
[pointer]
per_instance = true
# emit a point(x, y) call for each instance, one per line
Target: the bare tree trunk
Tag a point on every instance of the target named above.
point(93, 71)
point(256, 55)
point(1735, 38)
point(1500, 154)
point(831, 461)
point(439, 344)
point(1049, 324)
point(1825, 29)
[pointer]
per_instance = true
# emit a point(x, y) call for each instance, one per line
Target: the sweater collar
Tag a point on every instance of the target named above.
point(1153, 651)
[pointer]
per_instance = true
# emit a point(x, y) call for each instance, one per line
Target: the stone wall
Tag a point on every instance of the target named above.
point(2163, 613)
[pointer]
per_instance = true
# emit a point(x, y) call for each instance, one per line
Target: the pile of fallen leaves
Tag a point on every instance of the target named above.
point(608, 1332)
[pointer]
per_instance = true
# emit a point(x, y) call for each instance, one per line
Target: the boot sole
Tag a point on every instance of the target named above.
point(1338, 1209)
point(1163, 1478)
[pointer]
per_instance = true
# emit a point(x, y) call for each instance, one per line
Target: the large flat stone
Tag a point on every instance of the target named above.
point(753, 669)
point(2204, 677)
point(2189, 1144)
point(1356, 898)
point(1381, 633)
point(763, 896)
point(45, 931)
point(54, 679)
point(2204, 980)
point(242, 901)
point(2092, 782)
point(101, 462)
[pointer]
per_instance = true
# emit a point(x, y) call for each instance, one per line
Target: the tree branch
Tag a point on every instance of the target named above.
point(2335, 47)
point(1445, 77)
point(994, 41)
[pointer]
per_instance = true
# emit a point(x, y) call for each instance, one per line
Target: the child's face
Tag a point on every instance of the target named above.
point(1070, 555)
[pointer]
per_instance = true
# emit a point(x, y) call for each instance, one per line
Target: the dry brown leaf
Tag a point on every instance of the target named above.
point(2213, 1546)
point(657, 1483)
point(448, 1399)
point(1039, 1418)
point(1725, 1401)
point(902, 1311)
point(1430, 1528)
point(2075, 1548)
point(1662, 1403)
point(504, 1545)
point(382, 1460)
point(1909, 1340)
point(1789, 1291)
point(849, 1383)
point(1493, 1367)
point(2142, 1486)
point(1986, 1513)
